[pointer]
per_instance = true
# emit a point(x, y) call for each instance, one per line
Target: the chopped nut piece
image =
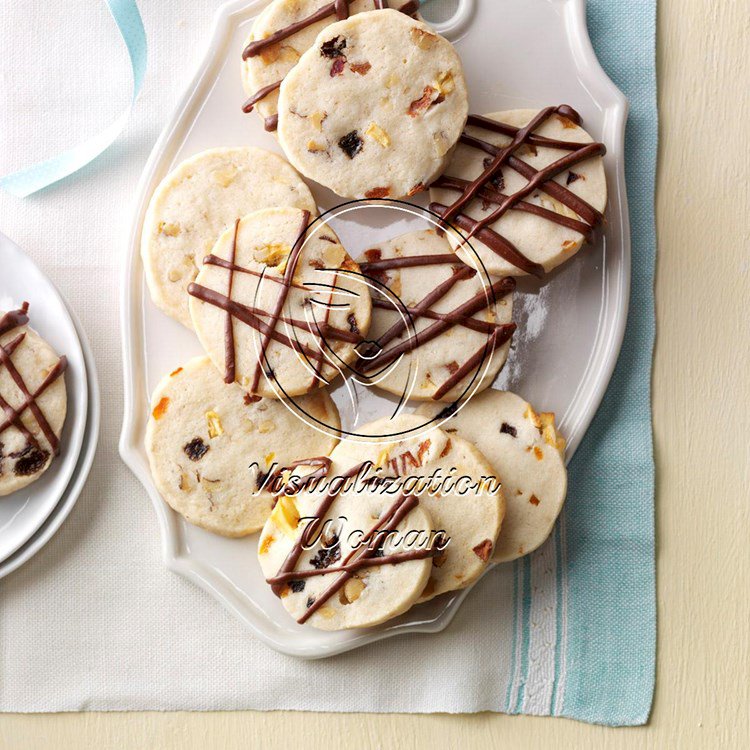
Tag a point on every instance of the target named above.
point(314, 146)
point(214, 424)
point(423, 39)
point(224, 177)
point(327, 612)
point(270, 54)
point(445, 83)
point(569, 245)
point(184, 482)
point(266, 427)
point(316, 119)
point(174, 275)
point(418, 106)
point(169, 229)
point(333, 255)
point(272, 254)
point(161, 408)
point(483, 550)
point(566, 123)
point(378, 134)
point(286, 516)
point(352, 590)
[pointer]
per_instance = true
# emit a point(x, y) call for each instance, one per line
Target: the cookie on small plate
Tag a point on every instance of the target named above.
point(527, 454)
point(315, 551)
point(375, 107)
point(33, 402)
point(279, 306)
point(526, 187)
point(211, 446)
point(442, 329)
point(196, 202)
point(454, 483)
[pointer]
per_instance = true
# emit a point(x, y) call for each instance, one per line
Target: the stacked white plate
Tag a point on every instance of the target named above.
point(31, 516)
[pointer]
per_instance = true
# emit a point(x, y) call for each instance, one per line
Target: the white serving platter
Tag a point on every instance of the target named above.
point(23, 512)
point(518, 53)
point(85, 460)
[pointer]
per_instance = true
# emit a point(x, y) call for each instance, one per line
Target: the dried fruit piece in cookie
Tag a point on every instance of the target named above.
point(210, 454)
point(468, 506)
point(33, 402)
point(196, 202)
point(527, 453)
point(534, 204)
point(356, 559)
point(449, 325)
point(393, 99)
point(278, 306)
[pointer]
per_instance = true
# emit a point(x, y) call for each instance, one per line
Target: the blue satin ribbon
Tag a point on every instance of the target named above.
point(39, 176)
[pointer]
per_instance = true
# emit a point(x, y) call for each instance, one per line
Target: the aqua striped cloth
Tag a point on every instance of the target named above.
point(597, 663)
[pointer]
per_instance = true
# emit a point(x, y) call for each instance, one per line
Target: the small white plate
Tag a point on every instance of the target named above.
point(518, 53)
point(22, 513)
point(82, 469)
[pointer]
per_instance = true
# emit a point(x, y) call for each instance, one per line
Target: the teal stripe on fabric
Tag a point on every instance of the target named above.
point(610, 510)
point(514, 647)
point(558, 615)
point(526, 594)
point(38, 176)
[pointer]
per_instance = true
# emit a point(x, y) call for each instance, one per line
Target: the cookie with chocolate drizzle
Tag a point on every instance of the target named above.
point(525, 187)
point(33, 402)
point(442, 329)
point(279, 305)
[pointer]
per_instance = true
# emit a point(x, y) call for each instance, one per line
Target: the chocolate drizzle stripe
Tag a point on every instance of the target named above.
point(485, 123)
point(480, 326)
point(410, 261)
point(499, 337)
point(338, 8)
point(495, 196)
point(291, 267)
point(229, 350)
point(496, 242)
point(214, 260)
point(9, 322)
point(244, 315)
point(258, 95)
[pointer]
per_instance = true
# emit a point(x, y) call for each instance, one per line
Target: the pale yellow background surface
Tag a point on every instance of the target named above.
point(702, 431)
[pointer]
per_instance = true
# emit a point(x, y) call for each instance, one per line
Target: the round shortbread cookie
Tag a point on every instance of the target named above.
point(338, 599)
point(468, 507)
point(374, 108)
point(544, 228)
point(211, 445)
point(270, 64)
point(33, 402)
point(196, 202)
point(426, 283)
point(527, 454)
point(299, 308)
